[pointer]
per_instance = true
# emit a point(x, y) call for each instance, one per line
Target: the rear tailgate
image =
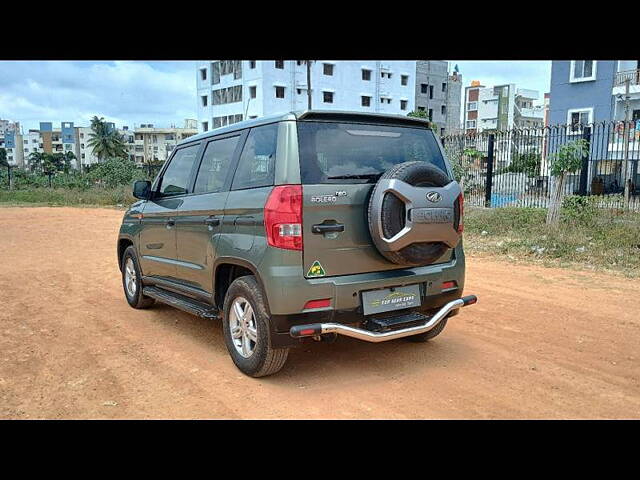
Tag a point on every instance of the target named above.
point(347, 252)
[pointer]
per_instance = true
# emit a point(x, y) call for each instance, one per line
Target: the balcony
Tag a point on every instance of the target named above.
point(620, 80)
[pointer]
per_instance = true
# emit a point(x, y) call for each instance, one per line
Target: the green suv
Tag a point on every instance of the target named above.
point(299, 227)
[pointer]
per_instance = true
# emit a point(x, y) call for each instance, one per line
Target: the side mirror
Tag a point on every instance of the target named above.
point(142, 189)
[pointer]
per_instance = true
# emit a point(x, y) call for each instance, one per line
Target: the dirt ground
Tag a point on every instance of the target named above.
point(540, 343)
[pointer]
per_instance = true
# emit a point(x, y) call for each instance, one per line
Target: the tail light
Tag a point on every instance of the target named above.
point(283, 217)
point(461, 210)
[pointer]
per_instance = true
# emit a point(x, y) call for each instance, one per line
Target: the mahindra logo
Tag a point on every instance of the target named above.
point(434, 197)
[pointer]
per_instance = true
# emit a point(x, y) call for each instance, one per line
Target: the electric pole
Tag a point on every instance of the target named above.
point(309, 83)
point(627, 122)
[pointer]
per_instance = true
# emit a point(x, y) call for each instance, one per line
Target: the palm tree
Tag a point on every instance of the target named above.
point(106, 142)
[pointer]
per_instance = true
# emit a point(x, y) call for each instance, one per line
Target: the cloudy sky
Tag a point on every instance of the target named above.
point(162, 93)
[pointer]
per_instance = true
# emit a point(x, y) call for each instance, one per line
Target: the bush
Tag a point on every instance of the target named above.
point(115, 172)
point(578, 210)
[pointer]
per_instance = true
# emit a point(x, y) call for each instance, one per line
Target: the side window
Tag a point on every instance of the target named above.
point(176, 177)
point(257, 162)
point(215, 165)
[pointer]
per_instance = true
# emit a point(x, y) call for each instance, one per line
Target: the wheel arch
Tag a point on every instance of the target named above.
point(123, 244)
point(227, 269)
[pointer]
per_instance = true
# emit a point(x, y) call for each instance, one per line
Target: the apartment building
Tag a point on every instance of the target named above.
point(151, 144)
point(588, 92)
point(501, 107)
point(10, 129)
point(438, 93)
point(230, 91)
point(146, 144)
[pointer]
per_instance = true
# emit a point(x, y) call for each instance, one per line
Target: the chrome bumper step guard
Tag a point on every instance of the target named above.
point(316, 329)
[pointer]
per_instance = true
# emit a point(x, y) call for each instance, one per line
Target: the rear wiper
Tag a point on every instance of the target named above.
point(362, 176)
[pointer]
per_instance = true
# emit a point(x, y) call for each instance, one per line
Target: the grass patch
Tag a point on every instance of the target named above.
point(595, 239)
point(117, 196)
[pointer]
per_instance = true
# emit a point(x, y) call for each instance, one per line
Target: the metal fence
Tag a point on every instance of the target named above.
point(513, 167)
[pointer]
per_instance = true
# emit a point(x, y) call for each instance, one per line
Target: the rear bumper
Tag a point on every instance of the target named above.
point(316, 329)
point(288, 290)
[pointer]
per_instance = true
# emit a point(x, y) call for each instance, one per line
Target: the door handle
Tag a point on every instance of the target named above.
point(212, 221)
point(325, 228)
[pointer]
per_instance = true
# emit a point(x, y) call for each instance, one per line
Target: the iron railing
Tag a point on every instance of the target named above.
point(632, 75)
point(513, 167)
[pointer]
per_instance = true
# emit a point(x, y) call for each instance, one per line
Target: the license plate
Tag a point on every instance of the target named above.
point(386, 300)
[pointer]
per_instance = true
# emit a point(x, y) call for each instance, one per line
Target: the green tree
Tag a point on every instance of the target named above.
point(36, 160)
point(3, 158)
point(568, 159)
point(527, 163)
point(422, 114)
point(106, 142)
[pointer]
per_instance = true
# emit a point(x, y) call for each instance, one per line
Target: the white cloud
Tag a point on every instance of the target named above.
point(124, 92)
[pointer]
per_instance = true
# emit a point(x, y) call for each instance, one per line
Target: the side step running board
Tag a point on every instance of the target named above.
point(181, 302)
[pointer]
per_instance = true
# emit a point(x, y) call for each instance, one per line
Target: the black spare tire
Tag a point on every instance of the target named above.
point(393, 213)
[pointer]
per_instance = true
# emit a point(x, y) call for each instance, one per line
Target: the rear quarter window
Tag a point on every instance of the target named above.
point(349, 150)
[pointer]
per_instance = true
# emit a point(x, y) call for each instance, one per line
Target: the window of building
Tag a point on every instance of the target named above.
point(252, 64)
point(205, 99)
point(327, 97)
point(366, 74)
point(421, 109)
point(430, 114)
point(472, 106)
point(442, 132)
point(424, 88)
point(176, 176)
point(444, 86)
point(383, 74)
point(365, 101)
point(279, 92)
point(203, 74)
point(215, 165)
point(327, 69)
point(25, 141)
point(253, 91)
point(256, 165)
point(430, 91)
point(299, 91)
point(279, 64)
point(215, 73)
point(26, 149)
point(404, 79)
point(443, 110)
point(385, 100)
point(403, 104)
point(577, 118)
point(299, 62)
point(471, 124)
point(582, 70)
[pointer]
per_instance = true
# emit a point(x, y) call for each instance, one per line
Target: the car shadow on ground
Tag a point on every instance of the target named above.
point(317, 360)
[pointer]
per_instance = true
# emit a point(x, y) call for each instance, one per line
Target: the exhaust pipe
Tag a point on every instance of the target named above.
point(314, 329)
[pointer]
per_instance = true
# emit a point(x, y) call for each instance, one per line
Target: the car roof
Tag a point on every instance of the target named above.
point(318, 115)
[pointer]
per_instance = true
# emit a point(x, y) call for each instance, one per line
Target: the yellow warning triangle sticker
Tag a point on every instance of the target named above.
point(316, 270)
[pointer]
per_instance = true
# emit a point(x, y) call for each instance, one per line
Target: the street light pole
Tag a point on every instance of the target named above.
point(627, 122)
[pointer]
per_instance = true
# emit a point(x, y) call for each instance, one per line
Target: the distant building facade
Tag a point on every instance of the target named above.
point(146, 144)
point(500, 107)
point(230, 91)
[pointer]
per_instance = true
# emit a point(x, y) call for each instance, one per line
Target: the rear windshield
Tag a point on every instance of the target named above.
point(358, 153)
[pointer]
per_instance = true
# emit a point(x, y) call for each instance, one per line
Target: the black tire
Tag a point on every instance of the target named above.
point(137, 300)
point(265, 360)
point(417, 174)
point(426, 336)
